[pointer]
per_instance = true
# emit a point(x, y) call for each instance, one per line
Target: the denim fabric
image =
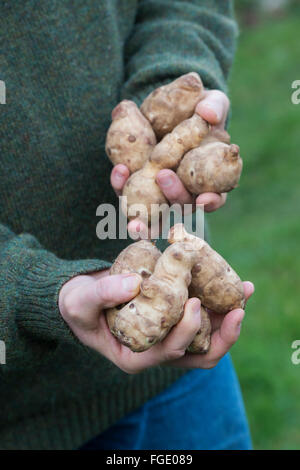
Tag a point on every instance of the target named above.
point(202, 410)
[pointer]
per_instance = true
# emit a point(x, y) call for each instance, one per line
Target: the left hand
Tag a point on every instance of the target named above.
point(214, 109)
point(172, 350)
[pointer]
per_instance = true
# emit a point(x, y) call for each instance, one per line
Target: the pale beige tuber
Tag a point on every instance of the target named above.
point(139, 257)
point(130, 138)
point(213, 281)
point(215, 166)
point(171, 104)
point(203, 157)
point(148, 318)
point(201, 342)
point(141, 188)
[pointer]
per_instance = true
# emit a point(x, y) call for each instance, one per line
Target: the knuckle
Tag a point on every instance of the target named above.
point(191, 331)
point(71, 307)
point(174, 197)
point(190, 326)
point(103, 291)
point(195, 331)
point(174, 354)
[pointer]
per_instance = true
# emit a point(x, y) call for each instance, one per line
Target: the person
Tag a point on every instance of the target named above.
point(67, 383)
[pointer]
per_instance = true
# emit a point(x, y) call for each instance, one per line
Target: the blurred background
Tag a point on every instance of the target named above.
point(258, 231)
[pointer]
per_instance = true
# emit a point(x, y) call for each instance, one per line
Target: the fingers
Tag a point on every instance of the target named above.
point(139, 231)
point(173, 188)
point(217, 319)
point(118, 178)
point(113, 290)
point(214, 107)
point(226, 331)
point(171, 348)
point(225, 337)
point(221, 342)
point(174, 191)
point(181, 336)
point(211, 201)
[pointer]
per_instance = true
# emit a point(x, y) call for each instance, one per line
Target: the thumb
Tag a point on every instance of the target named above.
point(214, 107)
point(116, 289)
point(107, 292)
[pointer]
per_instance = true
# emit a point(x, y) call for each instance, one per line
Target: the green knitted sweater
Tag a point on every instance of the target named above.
point(66, 64)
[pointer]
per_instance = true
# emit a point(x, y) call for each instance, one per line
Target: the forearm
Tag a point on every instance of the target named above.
point(30, 280)
point(172, 38)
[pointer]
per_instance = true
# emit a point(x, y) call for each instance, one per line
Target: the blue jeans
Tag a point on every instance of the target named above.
point(202, 410)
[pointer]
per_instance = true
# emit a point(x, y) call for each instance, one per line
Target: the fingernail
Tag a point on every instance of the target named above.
point(119, 175)
point(196, 308)
point(166, 182)
point(131, 282)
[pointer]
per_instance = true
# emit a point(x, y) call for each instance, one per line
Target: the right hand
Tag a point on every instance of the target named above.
point(82, 302)
point(214, 108)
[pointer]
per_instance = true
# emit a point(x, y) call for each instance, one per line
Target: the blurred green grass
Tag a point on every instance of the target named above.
point(258, 231)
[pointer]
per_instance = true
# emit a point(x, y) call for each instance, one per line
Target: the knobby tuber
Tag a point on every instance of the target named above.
point(141, 188)
point(171, 104)
point(201, 342)
point(141, 258)
point(215, 166)
point(204, 159)
point(188, 267)
point(213, 281)
point(130, 138)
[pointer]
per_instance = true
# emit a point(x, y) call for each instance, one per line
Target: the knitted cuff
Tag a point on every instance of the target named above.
point(142, 90)
point(39, 285)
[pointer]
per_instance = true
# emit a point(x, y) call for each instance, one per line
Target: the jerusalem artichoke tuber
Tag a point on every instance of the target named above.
point(189, 262)
point(141, 186)
point(171, 104)
point(130, 138)
point(203, 157)
point(201, 342)
point(214, 166)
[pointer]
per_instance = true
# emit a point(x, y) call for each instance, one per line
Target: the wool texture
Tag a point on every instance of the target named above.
point(66, 64)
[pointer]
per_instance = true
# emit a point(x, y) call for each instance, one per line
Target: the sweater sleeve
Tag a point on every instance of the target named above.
point(31, 326)
point(174, 37)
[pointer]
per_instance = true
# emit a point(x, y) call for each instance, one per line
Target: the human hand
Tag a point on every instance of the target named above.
point(84, 298)
point(214, 109)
